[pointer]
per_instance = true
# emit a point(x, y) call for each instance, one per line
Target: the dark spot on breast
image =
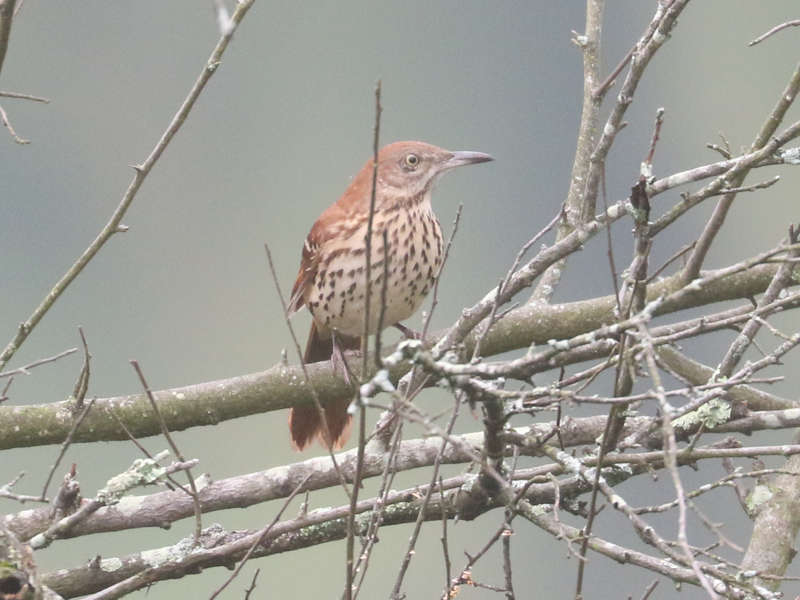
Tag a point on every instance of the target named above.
point(333, 254)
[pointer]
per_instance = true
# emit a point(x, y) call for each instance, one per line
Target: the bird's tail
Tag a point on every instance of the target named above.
point(305, 422)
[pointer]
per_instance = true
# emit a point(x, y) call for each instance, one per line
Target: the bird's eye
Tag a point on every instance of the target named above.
point(412, 160)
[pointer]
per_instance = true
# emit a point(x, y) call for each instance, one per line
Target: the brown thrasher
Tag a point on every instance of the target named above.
point(332, 283)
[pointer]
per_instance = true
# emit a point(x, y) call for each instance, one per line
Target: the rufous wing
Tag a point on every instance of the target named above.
point(325, 228)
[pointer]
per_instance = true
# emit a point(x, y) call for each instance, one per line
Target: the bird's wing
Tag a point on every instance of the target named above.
point(324, 229)
point(330, 224)
point(308, 270)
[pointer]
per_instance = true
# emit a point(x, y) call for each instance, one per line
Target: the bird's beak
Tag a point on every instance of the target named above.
point(464, 157)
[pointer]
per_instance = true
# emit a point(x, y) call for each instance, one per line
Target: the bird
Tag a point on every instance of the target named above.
point(406, 245)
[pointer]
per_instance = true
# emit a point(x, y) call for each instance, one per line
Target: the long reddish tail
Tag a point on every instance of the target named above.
point(305, 422)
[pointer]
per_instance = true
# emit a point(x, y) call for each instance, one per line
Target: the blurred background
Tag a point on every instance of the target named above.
point(276, 136)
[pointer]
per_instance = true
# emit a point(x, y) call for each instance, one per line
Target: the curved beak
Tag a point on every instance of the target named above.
point(465, 157)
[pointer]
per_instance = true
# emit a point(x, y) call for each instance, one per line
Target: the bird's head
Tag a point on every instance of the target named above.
point(409, 169)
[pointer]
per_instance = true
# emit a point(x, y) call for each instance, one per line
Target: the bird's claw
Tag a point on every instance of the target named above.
point(409, 333)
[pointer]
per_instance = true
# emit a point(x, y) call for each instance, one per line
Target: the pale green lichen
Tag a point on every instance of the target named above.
point(109, 565)
point(143, 471)
point(540, 510)
point(159, 556)
point(712, 413)
point(759, 495)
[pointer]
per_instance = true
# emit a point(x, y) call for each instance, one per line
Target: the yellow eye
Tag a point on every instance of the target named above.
point(412, 160)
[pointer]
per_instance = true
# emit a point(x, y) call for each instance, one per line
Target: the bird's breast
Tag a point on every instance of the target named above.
point(406, 254)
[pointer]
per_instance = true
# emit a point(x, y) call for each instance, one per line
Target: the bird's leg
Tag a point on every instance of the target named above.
point(410, 334)
point(339, 362)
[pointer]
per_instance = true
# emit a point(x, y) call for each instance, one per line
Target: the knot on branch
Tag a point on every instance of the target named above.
point(471, 499)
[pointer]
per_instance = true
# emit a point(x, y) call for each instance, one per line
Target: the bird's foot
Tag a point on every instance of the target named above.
point(410, 334)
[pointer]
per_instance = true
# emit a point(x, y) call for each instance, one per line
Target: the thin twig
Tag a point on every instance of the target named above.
point(412, 541)
point(671, 461)
point(7, 122)
point(252, 587)
point(517, 260)
point(5, 491)
point(260, 539)
point(507, 571)
point(4, 392)
point(140, 174)
point(448, 566)
point(435, 291)
point(774, 30)
point(65, 445)
point(378, 513)
point(384, 291)
point(576, 207)
point(668, 262)
point(649, 589)
point(304, 368)
point(764, 138)
point(24, 97)
point(6, 17)
point(25, 370)
point(198, 510)
point(171, 483)
point(82, 383)
point(362, 409)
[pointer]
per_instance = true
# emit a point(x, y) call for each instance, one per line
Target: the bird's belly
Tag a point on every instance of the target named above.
point(338, 297)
